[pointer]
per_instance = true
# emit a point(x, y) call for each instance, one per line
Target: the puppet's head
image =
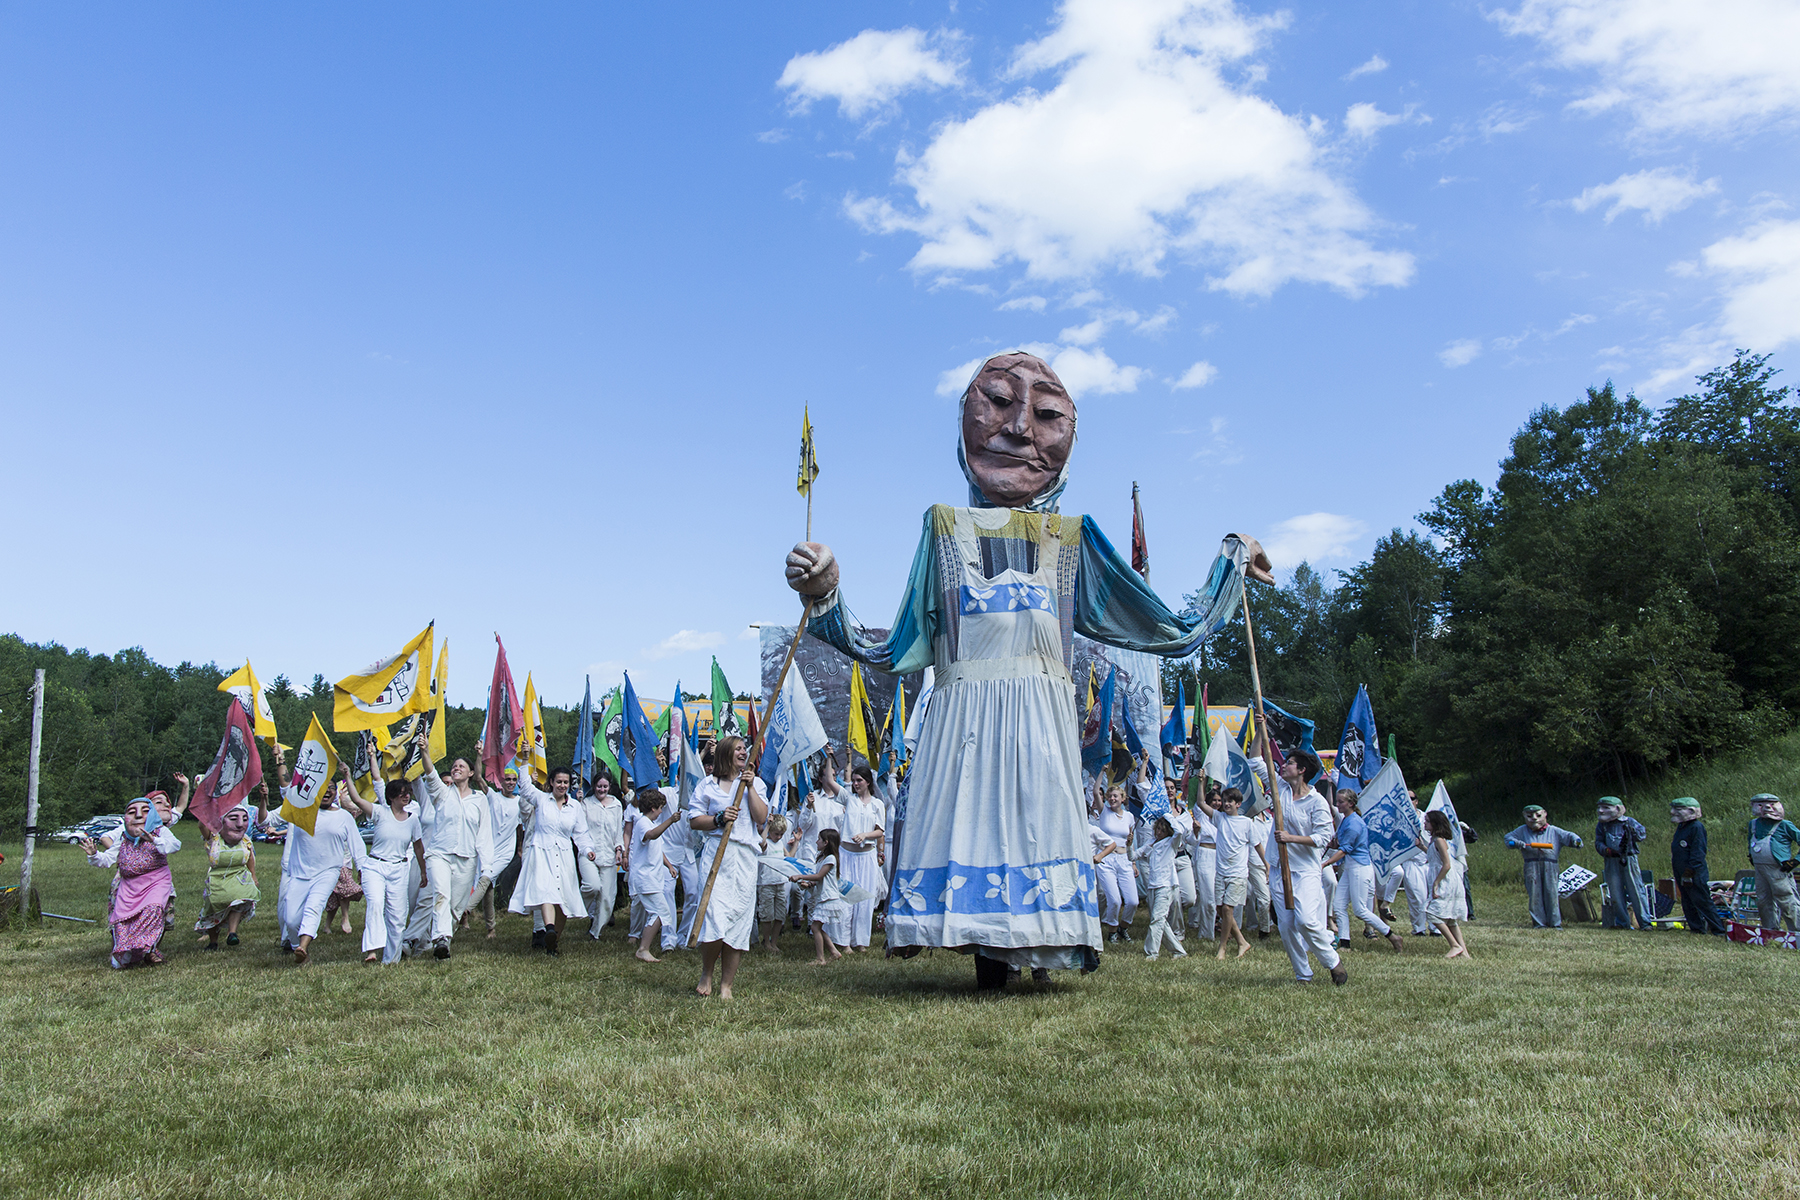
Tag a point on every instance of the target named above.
point(1765, 805)
point(1536, 818)
point(1018, 427)
point(1611, 808)
point(1684, 810)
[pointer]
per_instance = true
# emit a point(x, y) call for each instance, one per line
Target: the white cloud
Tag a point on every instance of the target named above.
point(1658, 192)
point(1460, 353)
point(1082, 371)
point(1759, 303)
point(1312, 538)
point(683, 641)
point(1375, 64)
point(795, 191)
point(1762, 291)
point(1034, 303)
point(870, 71)
point(1365, 121)
point(953, 381)
point(1196, 376)
point(772, 136)
point(1674, 66)
point(1138, 151)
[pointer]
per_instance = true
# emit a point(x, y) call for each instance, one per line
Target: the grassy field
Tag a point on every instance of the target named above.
point(1579, 1063)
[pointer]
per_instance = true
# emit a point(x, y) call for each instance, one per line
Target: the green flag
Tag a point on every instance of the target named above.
point(660, 726)
point(1199, 742)
point(724, 715)
point(606, 733)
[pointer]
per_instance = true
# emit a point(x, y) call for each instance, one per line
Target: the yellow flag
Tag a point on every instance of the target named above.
point(809, 459)
point(362, 775)
point(1093, 688)
point(393, 688)
point(242, 684)
point(859, 703)
point(440, 748)
point(401, 755)
point(315, 766)
point(531, 736)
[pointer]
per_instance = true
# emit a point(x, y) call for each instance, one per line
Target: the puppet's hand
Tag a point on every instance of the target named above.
point(812, 569)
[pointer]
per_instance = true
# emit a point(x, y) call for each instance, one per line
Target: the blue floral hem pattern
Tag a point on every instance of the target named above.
point(1007, 597)
point(1062, 885)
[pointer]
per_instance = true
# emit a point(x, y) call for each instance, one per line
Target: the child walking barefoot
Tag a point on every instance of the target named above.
point(772, 889)
point(829, 911)
point(1447, 908)
point(1235, 837)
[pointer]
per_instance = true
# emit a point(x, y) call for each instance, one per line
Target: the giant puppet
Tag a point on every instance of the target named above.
point(994, 857)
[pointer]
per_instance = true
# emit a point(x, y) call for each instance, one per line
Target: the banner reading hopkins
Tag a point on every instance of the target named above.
point(1394, 829)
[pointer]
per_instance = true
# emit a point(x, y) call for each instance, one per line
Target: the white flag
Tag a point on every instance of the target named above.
point(1393, 821)
point(793, 733)
point(916, 721)
point(1440, 802)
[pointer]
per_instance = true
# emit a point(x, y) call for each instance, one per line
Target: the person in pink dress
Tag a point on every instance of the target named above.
point(141, 896)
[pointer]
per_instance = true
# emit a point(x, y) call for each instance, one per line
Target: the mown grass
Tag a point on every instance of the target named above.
point(1579, 1063)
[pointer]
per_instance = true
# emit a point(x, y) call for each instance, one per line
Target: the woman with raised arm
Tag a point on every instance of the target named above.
point(729, 817)
point(144, 886)
point(548, 880)
point(230, 895)
point(312, 863)
point(399, 842)
point(995, 860)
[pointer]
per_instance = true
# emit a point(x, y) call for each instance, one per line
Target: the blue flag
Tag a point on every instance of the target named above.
point(1096, 736)
point(637, 741)
point(1359, 751)
point(584, 738)
point(1174, 730)
point(681, 732)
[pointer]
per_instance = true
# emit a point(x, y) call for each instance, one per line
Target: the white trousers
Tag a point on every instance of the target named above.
point(1203, 909)
point(862, 869)
point(1413, 873)
point(302, 904)
point(599, 889)
point(1118, 882)
point(1162, 903)
point(1356, 893)
point(387, 904)
point(1303, 926)
point(691, 883)
point(1255, 914)
point(449, 890)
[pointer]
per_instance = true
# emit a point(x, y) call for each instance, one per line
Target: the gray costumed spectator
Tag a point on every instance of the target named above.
point(1541, 844)
point(1617, 837)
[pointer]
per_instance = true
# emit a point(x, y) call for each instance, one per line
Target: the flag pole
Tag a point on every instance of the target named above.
point(762, 731)
point(1281, 850)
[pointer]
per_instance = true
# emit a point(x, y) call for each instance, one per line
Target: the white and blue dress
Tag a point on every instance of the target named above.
point(993, 853)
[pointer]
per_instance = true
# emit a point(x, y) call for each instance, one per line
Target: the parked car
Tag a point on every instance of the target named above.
point(105, 825)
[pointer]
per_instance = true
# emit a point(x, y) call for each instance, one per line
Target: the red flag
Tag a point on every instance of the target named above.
point(505, 717)
point(1140, 549)
point(236, 769)
point(755, 747)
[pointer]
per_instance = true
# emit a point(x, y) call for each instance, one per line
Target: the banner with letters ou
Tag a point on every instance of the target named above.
point(1394, 828)
point(826, 670)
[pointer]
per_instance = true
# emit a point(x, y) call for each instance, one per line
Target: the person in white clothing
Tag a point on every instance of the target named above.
point(1158, 859)
point(505, 832)
point(772, 888)
point(399, 842)
point(1413, 874)
point(600, 878)
point(803, 846)
point(681, 846)
point(312, 862)
point(1305, 830)
point(1356, 889)
point(830, 911)
point(863, 852)
point(1234, 838)
point(1203, 860)
point(1118, 882)
point(728, 807)
point(458, 852)
point(648, 870)
point(1254, 913)
point(548, 880)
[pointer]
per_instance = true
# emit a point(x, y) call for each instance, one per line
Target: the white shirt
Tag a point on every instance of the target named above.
point(1116, 825)
point(503, 822)
point(1234, 836)
point(1158, 858)
point(334, 838)
point(394, 837)
point(455, 824)
point(714, 796)
point(648, 872)
point(860, 818)
point(1307, 816)
point(552, 826)
point(606, 823)
point(830, 811)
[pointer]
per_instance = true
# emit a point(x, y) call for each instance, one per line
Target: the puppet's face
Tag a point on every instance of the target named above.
point(1773, 810)
point(136, 813)
point(1539, 820)
point(233, 826)
point(1611, 812)
point(1018, 426)
point(1682, 815)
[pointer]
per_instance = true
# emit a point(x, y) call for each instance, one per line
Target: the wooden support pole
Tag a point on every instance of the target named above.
point(1281, 850)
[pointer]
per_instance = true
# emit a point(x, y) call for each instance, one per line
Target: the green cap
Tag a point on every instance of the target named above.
point(1685, 802)
point(1610, 801)
point(1764, 798)
point(1531, 808)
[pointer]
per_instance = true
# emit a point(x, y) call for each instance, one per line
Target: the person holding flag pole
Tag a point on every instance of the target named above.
point(1300, 831)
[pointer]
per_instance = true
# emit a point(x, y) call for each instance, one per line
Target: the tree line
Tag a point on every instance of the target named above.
point(1623, 598)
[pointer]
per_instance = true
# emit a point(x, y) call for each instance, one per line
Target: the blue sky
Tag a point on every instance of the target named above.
point(316, 324)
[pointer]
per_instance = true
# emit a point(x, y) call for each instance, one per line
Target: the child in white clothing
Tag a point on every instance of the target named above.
point(1236, 839)
point(1158, 860)
point(772, 889)
point(829, 912)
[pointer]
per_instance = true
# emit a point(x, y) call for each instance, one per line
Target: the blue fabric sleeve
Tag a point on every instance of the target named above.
point(1114, 605)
